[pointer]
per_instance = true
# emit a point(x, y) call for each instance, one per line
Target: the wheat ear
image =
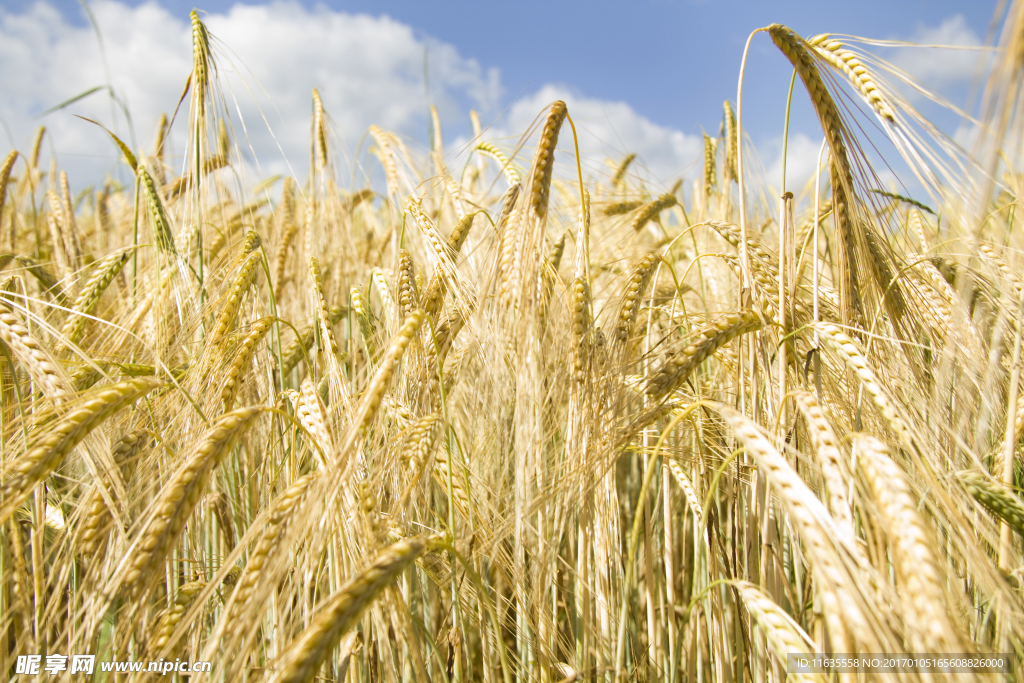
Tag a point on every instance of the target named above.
point(173, 189)
point(1001, 502)
point(104, 274)
point(826, 445)
point(307, 653)
point(289, 228)
point(853, 356)
point(544, 159)
point(45, 454)
point(97, 516)
point(55, 222)
point(652, 210)
point(236, 370)
point(619, 208)
point(5, 176)
point(388, 364)
point(178, 498)
point(796, 51)
point(836, 54)
point(511, 174)
point(843, 613)
point(297, 348)
point(912, 544)
point(710, 173)
point(311, 414)
point(636, 286)
point(433, 295)
point(361, 310)
point(383, 289)
point(233, 300)
point(407, 296)
point(784, 634)
point(28, 350)
point(679, 363)
point(279, 519)
point(157, 212)
point(422, 437)
point(185, 596)
point(201, 64)
point(729, 132)
point(387, 157)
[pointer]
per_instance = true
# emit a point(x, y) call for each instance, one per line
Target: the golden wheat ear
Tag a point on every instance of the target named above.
point(307, 653)
point(46, 453)
point(176, 501)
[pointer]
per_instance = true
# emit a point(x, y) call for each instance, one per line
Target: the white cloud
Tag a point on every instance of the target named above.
point(941, 67)
point(801, 160)
point(368, 70)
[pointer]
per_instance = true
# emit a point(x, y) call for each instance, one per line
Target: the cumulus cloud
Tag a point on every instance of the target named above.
point(941, 67)
point(801, 160)
point(368, 70)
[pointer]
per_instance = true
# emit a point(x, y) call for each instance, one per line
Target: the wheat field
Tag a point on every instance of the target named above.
point(495, 420)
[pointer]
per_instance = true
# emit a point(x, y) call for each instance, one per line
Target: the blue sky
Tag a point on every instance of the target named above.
point(647, 76)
